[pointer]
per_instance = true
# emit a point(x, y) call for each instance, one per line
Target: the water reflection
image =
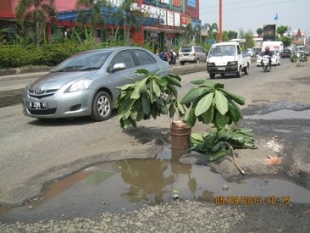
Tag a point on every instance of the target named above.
point(147, 180)
point(128, 184)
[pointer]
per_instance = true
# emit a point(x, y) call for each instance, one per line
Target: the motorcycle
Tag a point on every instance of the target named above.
point(265, 63)
point(302, 56)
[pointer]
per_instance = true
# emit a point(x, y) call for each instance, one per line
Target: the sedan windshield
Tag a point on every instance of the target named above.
point(83, 62)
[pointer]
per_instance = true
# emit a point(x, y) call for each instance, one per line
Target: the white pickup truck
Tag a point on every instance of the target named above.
point(227, 58)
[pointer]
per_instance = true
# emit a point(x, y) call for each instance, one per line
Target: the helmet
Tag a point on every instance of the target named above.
point(267, 49)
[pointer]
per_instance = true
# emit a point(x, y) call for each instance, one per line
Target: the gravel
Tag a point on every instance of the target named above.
point(178, 216)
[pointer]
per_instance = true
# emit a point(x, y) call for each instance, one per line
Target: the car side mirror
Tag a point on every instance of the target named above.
point(118, 66)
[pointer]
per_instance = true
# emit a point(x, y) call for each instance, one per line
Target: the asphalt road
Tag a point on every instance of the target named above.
point(35, 152)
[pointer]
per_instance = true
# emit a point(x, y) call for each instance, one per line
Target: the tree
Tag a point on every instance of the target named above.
point(249, 43)
point(287, 41)
point(35, 12)
point(225, 36)
point(197, 34)
point(259, 32)
point(128, 16)
point(281, 30)
point(188, 33)
point(90, 12)
point(232, 35)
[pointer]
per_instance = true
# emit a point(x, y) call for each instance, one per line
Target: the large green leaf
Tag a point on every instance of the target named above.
point(237, 111)
point(143, 71)
point(162, 81)
point(172, 90)
point(173, 81)
point(191, 119)
point(221, 102)
point(125, 87)
point(155, 88)
point(175, 77)
point(194, 94)
point(138, 87)
point(196, 137)
point(125, 106)
point(238, 99)
point(221, 120)
point(204, 104)
point(146, 105)
point(233, 112)
point(208, 115)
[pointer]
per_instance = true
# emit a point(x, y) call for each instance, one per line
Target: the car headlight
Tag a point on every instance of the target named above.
point(232, 63)
point(80, 85)
point(210, 64)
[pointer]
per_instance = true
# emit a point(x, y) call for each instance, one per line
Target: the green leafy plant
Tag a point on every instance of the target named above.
point(209, 103)
point(218, 143)
point(148, 98)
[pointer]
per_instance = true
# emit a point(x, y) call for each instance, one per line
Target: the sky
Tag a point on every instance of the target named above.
point(252, 14)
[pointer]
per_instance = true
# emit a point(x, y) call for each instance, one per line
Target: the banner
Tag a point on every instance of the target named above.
point(269, 32)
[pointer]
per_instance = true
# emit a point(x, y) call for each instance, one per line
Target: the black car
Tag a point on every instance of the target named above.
point(286, 53)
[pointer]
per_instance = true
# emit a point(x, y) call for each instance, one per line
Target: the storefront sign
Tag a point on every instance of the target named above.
point(191, 3)
point(184, 20)
point(177, 19)
point(165, 1)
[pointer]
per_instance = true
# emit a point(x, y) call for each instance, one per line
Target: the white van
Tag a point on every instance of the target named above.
point(227, 58)
point(273, 45)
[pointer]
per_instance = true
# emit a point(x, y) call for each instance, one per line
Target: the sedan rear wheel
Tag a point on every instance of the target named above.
point(102, 106)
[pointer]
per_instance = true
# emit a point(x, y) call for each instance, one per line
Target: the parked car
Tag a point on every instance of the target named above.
point(192, 54)
point(86, 83)
point(275, 59)
point(286, 53)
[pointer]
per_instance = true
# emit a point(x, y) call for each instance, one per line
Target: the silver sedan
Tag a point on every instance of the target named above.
point(86, 83)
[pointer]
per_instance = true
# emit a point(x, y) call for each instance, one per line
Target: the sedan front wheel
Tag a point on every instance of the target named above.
point(102, 106)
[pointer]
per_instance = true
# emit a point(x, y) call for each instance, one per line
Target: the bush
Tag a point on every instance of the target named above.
point(17, 55)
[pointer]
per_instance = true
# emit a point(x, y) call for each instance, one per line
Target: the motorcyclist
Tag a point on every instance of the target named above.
point(268, 53)
point(163, 55)
point(173, 57)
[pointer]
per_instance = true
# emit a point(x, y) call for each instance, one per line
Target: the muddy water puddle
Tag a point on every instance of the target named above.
point(129, 184)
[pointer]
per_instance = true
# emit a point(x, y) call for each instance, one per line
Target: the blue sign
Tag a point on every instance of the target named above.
point(191, 3)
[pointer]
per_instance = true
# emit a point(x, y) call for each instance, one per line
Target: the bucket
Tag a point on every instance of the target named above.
point(180, 136)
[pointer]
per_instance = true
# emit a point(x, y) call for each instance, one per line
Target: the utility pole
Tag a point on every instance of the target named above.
point(220, 20)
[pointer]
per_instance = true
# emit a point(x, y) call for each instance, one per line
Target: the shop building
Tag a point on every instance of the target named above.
point(160, 27)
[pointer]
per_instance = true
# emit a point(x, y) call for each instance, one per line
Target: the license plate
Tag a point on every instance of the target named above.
point(221, 68)
point(38, 105)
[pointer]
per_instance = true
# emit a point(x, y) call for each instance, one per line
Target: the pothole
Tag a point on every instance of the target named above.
point(130, 184)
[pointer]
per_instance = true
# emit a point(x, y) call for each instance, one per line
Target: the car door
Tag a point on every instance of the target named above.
point(146, 61)
point(124, 75)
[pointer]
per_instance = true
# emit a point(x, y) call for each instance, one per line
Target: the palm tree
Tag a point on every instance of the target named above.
point(197, 33)
point(187, 34)
point(212, 30)
point(128, 17)
point(37, 12)
point(90, 12)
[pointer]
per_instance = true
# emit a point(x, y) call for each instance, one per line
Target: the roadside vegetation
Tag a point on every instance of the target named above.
point(32, 47)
